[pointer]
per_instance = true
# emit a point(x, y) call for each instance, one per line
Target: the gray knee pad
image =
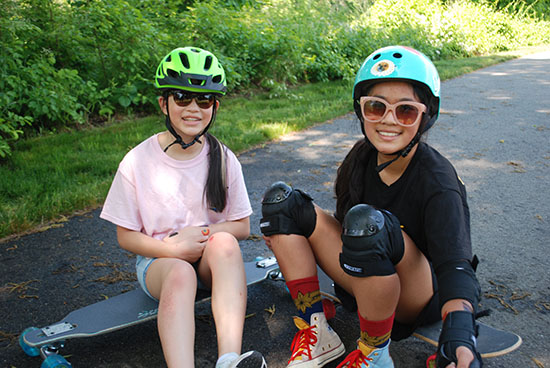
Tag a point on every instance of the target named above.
point(287, 211)
point(372, 242)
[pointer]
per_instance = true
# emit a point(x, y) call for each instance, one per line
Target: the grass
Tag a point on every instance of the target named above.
point(56, 175)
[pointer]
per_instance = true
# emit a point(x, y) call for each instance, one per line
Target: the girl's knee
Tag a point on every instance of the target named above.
point(181, 275)
point(222, 245)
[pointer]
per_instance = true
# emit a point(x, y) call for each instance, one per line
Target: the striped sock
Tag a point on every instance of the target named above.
point(306, 296)
point(376, 333)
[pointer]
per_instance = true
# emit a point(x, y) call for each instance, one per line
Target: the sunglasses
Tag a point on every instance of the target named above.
point(182, 99)
point(405, 113)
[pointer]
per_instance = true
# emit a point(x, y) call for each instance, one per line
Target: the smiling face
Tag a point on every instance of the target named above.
point(188, 121)
point(386, 135)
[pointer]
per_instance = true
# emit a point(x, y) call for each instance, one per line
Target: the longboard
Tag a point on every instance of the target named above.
point(124, 310)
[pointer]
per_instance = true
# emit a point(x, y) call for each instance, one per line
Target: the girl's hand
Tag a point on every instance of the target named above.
point(188, 243)
point(464, 356)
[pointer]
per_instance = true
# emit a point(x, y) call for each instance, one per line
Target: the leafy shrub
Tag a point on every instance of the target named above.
point(63, 62)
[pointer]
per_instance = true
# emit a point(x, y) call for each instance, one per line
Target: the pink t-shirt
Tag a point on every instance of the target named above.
point(157, 195)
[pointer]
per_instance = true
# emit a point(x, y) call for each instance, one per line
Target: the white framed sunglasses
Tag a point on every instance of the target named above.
point(405, 113)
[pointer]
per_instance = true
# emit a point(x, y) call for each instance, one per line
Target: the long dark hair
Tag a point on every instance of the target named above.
point(349, 185)
point(216, 182)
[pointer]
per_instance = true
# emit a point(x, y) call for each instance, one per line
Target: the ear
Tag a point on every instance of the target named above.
point(217, 104)
point(163, 104)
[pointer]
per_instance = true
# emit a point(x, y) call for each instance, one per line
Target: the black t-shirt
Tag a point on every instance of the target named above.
point(429, 200)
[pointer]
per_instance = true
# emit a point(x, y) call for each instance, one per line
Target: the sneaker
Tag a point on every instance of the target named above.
point(250, 359)
point(315, 344)
point(366, 356)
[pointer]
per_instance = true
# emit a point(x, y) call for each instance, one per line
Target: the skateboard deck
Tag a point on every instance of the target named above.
point(130, 308)
point(491, 342)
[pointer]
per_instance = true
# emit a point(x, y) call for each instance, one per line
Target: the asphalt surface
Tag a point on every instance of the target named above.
point(495, 129)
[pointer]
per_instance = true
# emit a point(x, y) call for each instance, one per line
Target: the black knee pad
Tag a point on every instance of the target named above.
point(287, 211)
point(372, 242)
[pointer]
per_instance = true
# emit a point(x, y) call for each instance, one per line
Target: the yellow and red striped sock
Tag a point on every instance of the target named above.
point(306, 296)
point(376, 333)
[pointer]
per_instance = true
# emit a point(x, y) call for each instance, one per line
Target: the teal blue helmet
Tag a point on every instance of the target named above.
point(400, 63)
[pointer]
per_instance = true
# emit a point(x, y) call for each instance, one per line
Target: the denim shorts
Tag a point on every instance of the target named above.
point(142, 266)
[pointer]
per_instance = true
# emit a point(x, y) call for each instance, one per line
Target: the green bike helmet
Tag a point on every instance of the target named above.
point(191, 69)
point(406, 64)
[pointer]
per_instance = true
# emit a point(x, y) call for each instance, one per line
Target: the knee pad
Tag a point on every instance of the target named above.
point(372, 242)
point(287, 211)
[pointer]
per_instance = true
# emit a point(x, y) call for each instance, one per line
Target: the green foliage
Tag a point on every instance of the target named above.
point(69, 62)
point(536, 8)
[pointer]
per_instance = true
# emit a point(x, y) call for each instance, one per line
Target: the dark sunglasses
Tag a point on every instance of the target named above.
point(182, 99)
point(405, 113)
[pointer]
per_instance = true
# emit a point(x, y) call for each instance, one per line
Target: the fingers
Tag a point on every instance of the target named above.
point(464, 356)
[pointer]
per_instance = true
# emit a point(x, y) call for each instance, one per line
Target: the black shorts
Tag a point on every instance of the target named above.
point(430, 314)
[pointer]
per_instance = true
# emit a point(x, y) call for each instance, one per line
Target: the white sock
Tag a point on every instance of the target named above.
point(226, 359)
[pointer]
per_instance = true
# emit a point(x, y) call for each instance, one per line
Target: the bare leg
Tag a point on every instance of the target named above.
point(222, 268)
point(174, 283)
point(406, 292)
point(415, 277)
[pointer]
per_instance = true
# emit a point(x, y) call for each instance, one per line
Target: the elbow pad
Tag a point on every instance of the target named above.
point(457, 280)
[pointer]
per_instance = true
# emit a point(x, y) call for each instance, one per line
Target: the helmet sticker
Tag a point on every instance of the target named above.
point(383, 68)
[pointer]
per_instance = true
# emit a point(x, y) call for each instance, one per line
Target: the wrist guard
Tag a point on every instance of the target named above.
point(459, 329)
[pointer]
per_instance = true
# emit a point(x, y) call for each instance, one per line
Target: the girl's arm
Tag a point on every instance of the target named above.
point(188, 246)
point(240, 229)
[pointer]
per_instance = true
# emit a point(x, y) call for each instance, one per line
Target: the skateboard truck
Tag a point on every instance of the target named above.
point(269, 262)
point(266, 262)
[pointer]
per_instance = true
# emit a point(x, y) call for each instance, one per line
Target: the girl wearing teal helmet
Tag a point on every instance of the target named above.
point(180, 204)
point(398, 246)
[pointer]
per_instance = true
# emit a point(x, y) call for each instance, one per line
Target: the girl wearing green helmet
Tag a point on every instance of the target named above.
point(180, 204)
point(398, 247)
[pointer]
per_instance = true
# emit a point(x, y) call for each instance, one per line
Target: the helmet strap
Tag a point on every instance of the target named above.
point(403, 153)
point(179, 140)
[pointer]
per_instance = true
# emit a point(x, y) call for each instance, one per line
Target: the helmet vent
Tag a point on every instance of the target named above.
point(196, 82)
point(217, 79)
point(377, 56)
point(184, 60)
point(208, 62)
point(172, 73)
point(397, 55)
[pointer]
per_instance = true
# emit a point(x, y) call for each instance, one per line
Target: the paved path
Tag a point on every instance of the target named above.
point(494, 127)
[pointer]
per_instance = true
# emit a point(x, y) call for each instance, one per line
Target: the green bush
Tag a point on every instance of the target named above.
point(74, 61)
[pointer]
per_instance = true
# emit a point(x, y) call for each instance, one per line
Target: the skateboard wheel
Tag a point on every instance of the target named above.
point(29, 350)
point(55, 361)
point(329, 308)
